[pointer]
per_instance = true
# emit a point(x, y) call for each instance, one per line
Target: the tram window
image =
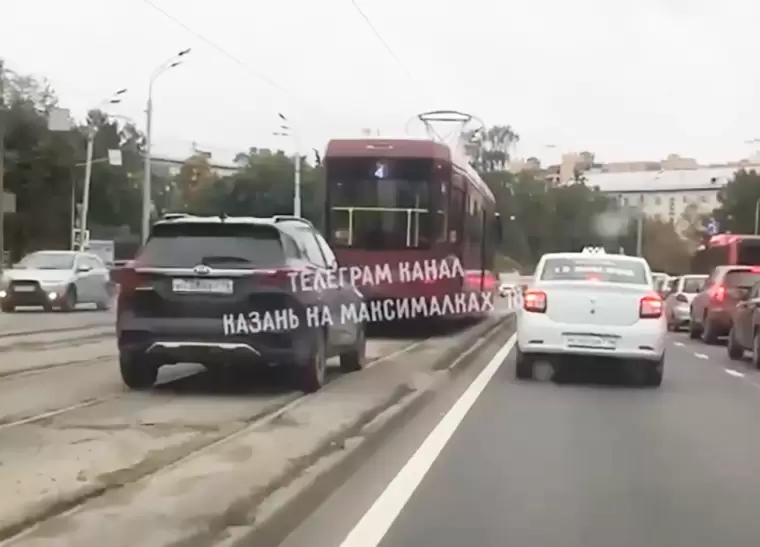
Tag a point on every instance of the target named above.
point(456, 215)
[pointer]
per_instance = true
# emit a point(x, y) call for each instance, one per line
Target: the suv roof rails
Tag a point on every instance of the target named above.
point(287, 218)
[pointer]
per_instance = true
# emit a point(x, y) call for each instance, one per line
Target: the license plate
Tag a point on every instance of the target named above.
point(23, 288)
point(206, 286)
point(590, 342)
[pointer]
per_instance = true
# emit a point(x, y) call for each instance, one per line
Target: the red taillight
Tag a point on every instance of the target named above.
point(650, 307)
point(281, 277)
point(593, 277)
point(534, 301)
point(755, 269)
point(718, 293)
point(472, 280)
point(128, 280)
point(682, 298)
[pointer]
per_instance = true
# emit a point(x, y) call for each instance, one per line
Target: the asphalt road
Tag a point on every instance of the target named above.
point(588, 463)
point(35, 320)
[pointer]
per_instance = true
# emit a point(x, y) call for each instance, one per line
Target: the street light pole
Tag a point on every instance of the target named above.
point(3, 121)
point(296, 165)
point(91, 132)
point(146, 189)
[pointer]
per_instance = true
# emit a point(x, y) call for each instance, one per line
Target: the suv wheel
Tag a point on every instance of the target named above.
point(695, 330)
point(756, 350)
point(523, 366)
point(137, 371)
point(735, 351)
point(8, 307)
point(310, 376)
point(709, 334)
point(355, 358)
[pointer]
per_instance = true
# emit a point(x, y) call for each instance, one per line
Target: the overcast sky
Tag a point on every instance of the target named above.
point(626, 80)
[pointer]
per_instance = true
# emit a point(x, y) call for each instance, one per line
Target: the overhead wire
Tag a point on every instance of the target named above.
point(424, 94)
point(382, 40)
point(256, 73)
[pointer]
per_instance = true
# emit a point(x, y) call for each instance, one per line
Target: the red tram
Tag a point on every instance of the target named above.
point(393, 203)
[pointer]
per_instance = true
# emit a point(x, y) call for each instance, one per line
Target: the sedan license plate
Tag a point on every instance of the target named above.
point(203, 286)
point(583, 341)
point(23, 288)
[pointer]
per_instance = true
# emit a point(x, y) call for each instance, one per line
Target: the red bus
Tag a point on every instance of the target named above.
point(727, 250)
point(400, 201)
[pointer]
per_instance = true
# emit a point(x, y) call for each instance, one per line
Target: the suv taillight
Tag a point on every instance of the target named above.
point(718, 293)
point(650, 307)
point(534, 301)
point(128, 280)
point(280, 277)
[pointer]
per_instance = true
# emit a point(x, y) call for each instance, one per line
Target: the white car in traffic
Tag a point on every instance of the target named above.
point(56, 279)
point(592, 305)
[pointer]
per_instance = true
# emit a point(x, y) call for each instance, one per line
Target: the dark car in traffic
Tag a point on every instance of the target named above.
point(229, 291)
point(711, 314)
point(745, 329)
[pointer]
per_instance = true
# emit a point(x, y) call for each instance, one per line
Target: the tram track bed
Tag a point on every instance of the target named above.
point(74, 432)
point(141, 468)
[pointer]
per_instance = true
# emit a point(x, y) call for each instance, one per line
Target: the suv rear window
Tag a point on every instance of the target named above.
point(607, 270)
point(742, 278)
point(185, 245)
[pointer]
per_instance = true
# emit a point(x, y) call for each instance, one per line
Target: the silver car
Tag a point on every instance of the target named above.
point(56, 279)
point(680, 292)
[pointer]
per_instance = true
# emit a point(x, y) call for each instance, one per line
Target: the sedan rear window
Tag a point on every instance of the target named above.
point(186, 245)
point(597, 269)
point(693, 285)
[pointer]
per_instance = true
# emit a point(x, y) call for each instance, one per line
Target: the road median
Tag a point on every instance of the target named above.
point(199, 500)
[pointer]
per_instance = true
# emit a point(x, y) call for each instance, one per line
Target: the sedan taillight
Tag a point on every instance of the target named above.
point(650, 307)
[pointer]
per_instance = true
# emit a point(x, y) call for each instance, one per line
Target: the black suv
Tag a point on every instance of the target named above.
point(230, 290)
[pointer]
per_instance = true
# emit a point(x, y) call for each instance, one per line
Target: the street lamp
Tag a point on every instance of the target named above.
point(115, 98)
point(289, 131)
point(174, 61)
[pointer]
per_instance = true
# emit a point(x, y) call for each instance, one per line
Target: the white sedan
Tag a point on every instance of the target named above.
point(592, 305)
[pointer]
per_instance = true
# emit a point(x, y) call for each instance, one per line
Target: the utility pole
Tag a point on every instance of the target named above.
point(640, 228)
point(147, 202)
point(3, 121)
point(288, 132)
point(87, 181)
point(146, 187)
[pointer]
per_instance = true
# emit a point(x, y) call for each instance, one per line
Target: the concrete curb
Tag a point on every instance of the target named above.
point(273, 515)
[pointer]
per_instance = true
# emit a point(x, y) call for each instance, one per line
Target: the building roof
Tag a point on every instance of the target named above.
point(703, 178)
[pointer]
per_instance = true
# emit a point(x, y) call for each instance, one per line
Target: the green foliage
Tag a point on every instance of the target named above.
point(44, 168)
point(736, 212)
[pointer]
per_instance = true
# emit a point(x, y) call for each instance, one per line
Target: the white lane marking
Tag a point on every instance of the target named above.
point(701, 356)
point(679, 344)
point(376, 522)
point(735, 373)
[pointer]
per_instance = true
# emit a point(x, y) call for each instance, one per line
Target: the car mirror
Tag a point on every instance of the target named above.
point(84, 268)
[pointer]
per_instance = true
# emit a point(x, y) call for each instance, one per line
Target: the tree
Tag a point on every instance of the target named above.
point(115, 190)
point(664, 249)
point(736, 212)
point(691, 225)
point(489, 150)
point(39, 168)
